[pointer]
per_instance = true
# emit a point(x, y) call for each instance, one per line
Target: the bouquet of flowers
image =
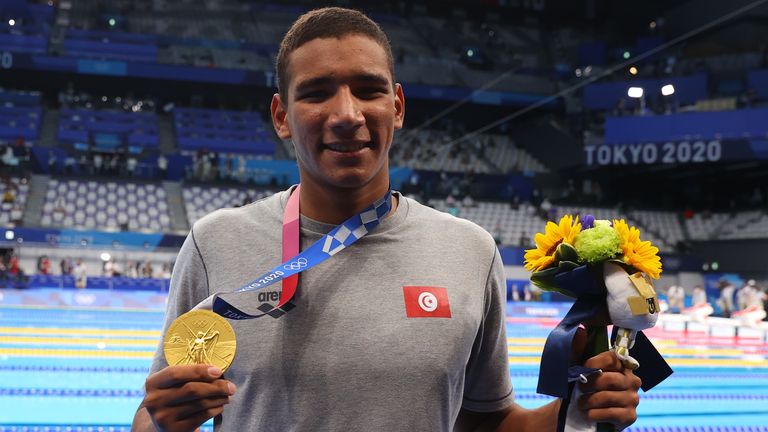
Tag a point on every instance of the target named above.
point(608, 269)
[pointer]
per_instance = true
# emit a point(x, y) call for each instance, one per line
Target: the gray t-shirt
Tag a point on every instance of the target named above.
point(347, 356)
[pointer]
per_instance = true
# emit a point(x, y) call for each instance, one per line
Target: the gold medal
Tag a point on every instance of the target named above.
point(200, 337)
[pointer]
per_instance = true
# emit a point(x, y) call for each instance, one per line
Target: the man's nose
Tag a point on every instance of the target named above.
point(346, 112)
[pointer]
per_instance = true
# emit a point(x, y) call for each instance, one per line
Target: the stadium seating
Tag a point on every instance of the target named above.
point(199, 201)
point(430, 150)
point(518, 226)
point(169, 32)
point(107, 129)
point(13, 211)
point(29, 31)
point(110, 205)
point(515, 226)
point(705, 226)
point(745, 225)
point(222, 131)
point(234, 35)
point(110, 45)
point(20, 115)
point(660, 225)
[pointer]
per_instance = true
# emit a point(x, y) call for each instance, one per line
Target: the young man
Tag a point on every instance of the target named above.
point(355, 350)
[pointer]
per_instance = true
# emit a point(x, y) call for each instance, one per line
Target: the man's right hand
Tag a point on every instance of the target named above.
point(181, 398)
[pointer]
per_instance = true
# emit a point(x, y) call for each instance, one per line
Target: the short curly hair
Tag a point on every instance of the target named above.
point(329, 22)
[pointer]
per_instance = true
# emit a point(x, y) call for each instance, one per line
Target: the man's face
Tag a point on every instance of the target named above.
point(341, 112)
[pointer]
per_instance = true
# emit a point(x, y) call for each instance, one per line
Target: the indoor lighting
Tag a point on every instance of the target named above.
point(667, 90)
point(635, 92)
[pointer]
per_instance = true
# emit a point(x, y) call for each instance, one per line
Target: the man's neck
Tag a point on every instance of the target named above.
point(334, 206)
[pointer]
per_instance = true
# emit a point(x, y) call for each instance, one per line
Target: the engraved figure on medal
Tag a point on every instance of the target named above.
point(198, 349)
point(200, 337)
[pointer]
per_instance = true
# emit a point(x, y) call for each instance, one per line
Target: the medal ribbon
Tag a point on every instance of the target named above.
point(294, 263)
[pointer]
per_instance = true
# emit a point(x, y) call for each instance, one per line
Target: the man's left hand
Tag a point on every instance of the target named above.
point(611, 396)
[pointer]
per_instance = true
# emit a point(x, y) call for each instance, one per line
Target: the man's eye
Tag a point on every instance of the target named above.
point(372, 91)
point(317, 94)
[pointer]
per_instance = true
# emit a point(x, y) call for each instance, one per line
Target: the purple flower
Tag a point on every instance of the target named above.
point(588, 221)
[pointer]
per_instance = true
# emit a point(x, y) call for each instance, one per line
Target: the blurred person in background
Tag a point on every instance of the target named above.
point(725, 301)
point(66, 266)
point(44, 265)
point(131, 270)
point(699, 296)
point(745, 294)
point(162, 166)
point(81, 274)
point(676, 298)
point(9, 197)
point(146, 270)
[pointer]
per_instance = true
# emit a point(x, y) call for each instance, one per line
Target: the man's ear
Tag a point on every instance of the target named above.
point(399, 106)
point(279, 117)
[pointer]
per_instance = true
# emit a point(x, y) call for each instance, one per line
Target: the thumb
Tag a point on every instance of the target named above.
point(579, 347)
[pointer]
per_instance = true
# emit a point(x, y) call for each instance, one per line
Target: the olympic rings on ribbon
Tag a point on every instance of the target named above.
point(296, 265)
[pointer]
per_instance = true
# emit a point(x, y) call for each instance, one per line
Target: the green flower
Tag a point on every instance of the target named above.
point(598, 243)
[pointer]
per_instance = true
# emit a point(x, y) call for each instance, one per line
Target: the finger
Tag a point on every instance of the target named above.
point(612, 381)
point(202, 417)
point(187, 393)
point(192, 391)
point(607, 361)
point(191, 410)
point(609, 399)
point(634, 381)
point(173, 376)
point(168, 420)
point(619, 416)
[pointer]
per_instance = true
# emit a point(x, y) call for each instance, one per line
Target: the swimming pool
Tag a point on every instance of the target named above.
point(65, 368)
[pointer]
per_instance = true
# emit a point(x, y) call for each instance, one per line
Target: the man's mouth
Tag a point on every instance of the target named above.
point(347, 147)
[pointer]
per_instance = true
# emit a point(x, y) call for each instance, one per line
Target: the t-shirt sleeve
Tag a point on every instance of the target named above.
point(189, 286)
point(488, 386)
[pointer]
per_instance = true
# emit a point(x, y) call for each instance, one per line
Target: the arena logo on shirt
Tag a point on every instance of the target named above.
point(269, 296)
point(426, 302)
point(269, 300)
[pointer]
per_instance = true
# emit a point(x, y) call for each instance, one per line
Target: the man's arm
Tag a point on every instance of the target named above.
point(513, 419)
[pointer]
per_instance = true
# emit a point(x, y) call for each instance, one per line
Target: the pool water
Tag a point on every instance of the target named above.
point(82, 369)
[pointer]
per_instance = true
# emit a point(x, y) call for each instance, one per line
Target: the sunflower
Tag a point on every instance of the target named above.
point(639, 254)
point(546, 244)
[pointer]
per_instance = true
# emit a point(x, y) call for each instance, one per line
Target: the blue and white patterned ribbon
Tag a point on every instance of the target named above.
point(327, 246)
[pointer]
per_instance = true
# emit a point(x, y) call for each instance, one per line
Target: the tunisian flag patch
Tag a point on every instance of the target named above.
point(426, 302)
